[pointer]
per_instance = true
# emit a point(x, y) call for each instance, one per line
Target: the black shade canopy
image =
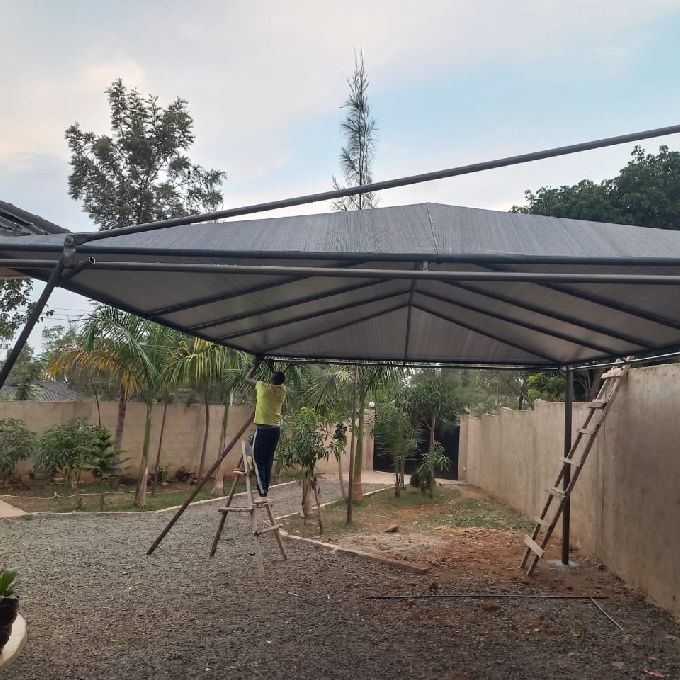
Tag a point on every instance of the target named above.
point(424, 283)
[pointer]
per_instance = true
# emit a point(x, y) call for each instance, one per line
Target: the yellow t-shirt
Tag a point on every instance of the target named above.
point(269, 400)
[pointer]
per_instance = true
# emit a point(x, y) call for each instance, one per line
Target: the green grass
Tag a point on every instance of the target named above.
point(416, 512)
point(474, 512)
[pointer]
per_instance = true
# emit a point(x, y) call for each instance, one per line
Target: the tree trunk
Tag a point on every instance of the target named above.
point(433, 425)
point(96, 398)
point(101, 494)
point(143, 472)
point(204, 448)
point(341, 478)
point(158, 453)
point(357, 488)
point(218, 487)
point(122, 406)
point(351, 446)
point(397, 480)
point(75, 482)
point(402, 469)
point(306, 499)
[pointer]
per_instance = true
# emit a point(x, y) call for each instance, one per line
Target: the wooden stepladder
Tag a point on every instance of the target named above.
point(246, 470)
point(574, 460)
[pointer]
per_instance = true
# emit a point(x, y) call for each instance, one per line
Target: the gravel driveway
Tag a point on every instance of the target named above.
point(98, 608)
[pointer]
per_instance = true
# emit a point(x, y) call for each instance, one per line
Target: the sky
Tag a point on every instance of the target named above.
point(451, 82)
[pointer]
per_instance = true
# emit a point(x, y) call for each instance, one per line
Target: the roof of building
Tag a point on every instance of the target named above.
point(45, 390)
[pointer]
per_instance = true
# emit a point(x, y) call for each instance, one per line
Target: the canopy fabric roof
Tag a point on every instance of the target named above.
point(440, 284)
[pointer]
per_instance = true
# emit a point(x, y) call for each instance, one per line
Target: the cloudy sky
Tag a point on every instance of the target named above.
point(452, 82)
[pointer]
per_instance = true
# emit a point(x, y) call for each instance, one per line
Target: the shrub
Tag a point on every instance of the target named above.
point(433, 461)
point(17, 443)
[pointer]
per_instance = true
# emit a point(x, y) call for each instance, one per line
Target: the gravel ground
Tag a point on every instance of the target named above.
point(98, 608)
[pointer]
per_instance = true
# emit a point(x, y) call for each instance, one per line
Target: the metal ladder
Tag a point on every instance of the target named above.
point(574, 460)
point(246, 470)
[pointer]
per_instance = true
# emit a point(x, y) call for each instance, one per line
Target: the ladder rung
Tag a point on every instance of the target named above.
point(571, 461)
point(585, 430)
point(542, 522)
point(599, 403)
point(533, 546)
point(235, 509)
point(556, 492)
point(273, 527)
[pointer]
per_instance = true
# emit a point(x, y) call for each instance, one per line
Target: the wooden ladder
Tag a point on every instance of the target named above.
point(574, 460)
point(246, 470)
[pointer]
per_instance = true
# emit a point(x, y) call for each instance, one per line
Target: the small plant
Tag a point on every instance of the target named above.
point(17, 443)
point(394, 430)
point(182, 474)
point(105, 462)
point(433, 461)
point(9, 604)
point(303, 443)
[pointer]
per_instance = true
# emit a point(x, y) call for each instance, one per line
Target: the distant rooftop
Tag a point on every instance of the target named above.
point(17, 222)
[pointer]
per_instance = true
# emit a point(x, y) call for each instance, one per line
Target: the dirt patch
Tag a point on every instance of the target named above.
point(466, 537)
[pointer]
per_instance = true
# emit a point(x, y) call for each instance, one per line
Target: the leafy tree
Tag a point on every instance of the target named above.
point(69, 448)
point(395, 431)
point(303, 443)
point(25, 373)
point(359, 129)
point(433, 398)
point(15, 299)
point(140, 172)
point(645, 193)
point(17, 443)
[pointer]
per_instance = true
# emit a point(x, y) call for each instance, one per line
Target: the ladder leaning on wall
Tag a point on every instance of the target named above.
point(574, 460)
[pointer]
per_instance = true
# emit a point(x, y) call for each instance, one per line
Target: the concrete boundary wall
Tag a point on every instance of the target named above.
point(182, 439)
point(626, 504)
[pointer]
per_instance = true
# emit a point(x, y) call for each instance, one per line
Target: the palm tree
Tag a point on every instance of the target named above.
point(206, 368)
point(134, 351)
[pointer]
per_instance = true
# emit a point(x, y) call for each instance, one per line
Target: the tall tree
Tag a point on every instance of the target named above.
point(140, 172)
point(359, 130)
point(356, 162)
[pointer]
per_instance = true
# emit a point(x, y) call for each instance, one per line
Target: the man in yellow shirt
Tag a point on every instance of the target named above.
point(269, 400)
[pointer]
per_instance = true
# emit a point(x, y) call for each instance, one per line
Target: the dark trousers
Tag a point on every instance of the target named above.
point(264, 446)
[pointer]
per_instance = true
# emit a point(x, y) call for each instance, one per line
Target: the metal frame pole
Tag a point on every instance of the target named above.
point(31, 320)
point(566, 476)
point(387, 184)
point(201, 483)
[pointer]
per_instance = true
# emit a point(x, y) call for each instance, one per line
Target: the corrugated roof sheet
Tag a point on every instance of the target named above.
point(397, 319)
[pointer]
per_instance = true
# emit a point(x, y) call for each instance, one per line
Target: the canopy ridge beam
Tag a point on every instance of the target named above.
point(315, 297)
point(313, 315)
point(474, 329)
point(522, 324)
point(424, 266)
point(381, 186)
point(317, 334)
point(558, 316)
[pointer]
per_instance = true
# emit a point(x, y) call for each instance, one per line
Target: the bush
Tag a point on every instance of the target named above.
point(431, 462)
point(17, 443)
point(74, 446)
